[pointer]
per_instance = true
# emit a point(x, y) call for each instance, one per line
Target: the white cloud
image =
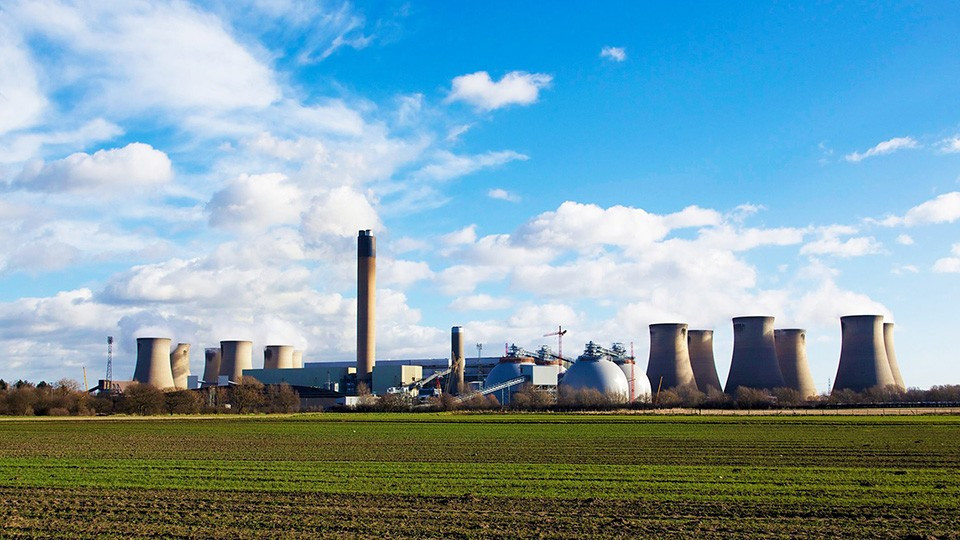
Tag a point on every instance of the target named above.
point(401, 273)
point(514, 88)
point(830, 243)
point(900, 270)
point(466, 235)
point(617, 54)
point(905, 240)
point(949, 264)
point(136, 165)
point(339, 213)
point(885, 147)
point(447, 165)
point(21, 101)
point(139, 55)
point(950, 145)
point(480, 302)
point(253, 202)
point(503, 195)
point(944, 208)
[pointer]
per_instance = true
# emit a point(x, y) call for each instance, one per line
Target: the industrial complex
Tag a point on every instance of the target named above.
point(763, 358)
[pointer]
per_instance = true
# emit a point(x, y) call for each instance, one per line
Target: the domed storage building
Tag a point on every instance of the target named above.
point(506, 370)
point(593, 370)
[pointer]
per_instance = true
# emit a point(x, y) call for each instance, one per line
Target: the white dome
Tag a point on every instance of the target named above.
point(641, 384)
point(501, 373)
point(598, 374)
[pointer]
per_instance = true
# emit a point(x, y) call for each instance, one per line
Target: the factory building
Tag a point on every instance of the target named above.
point(754, 363)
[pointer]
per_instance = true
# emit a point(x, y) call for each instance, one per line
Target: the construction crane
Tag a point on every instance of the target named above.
point(559, 333)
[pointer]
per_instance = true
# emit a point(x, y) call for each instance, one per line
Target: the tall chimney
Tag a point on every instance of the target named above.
point(366, 310)
point(892, 355)
point(457, 360)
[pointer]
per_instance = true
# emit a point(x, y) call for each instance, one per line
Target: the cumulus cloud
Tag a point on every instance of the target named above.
point(480, 302)
point(950, 145)
point(905, 240)
point(830, 242)
point(885, 147)
point(514, 88)
point(339, 213)
point(136, 165)
point(256, 202)
point(617, 54)
point(944, 208)
point(949, 264)
point(503, 195)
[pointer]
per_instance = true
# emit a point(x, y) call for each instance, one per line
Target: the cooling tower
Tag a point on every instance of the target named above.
point(669, 357)
point(892, 355)
point(754, 363)
point(278, 357)
point(457, 360)
point(792, 358)
point(297, 359)
point(153, 363)
point(700, 346)
point(180, 365)
point(863, 356)
point(211, 366)
point(235, 356)
point(366, 312)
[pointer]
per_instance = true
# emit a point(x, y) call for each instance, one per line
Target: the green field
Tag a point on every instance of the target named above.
point(442, 476)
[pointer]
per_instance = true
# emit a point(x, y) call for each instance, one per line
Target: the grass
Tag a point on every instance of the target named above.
point(446, 475)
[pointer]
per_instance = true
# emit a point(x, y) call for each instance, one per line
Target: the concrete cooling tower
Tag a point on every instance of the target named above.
point(863, 355)
point(792, 358)
point(594, 371)
point(754, 363)
point(892, 355)
point(278, 357)
point(366, 300)
point(457, 359)
point(211, 366)
point(669, 363)
point(153, 363)
point(700, 347)
point(180, 365)
point(297, 359)
point(235, 356)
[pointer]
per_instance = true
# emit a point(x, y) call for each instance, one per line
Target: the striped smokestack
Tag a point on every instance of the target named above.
point(366, 296)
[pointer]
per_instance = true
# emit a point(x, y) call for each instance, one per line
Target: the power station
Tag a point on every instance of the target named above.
point(763, 358)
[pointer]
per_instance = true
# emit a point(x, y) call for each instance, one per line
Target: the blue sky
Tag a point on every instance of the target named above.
point(200, 170)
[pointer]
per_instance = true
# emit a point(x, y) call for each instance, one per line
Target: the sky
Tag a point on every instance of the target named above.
point(199, 171)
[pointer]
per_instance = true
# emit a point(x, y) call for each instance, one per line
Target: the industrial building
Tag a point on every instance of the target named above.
point(763, 358)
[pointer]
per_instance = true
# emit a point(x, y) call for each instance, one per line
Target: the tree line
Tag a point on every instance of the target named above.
point(66, 398)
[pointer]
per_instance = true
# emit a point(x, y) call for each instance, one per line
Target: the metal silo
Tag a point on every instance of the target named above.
point(278, 357)
point(366, 304)
point(235, 356)
point(792, 358)
point(180, 365)
point(892, 355)
point(669, 363)
point(211, 366)
point(863, 355)
point(700, 347)
point(153, 363)
point(754, 363)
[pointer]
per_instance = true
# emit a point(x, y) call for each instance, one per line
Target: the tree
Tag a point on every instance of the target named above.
point(281, 398)
point(248, 395)
point(142, 399)
point(183, 402)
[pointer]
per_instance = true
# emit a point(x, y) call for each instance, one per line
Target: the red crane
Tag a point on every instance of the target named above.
point(559, 333)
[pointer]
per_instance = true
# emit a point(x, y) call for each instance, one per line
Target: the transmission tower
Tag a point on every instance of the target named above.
point(108, 380)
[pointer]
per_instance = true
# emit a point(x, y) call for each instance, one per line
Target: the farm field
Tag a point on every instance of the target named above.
point(492, 475)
